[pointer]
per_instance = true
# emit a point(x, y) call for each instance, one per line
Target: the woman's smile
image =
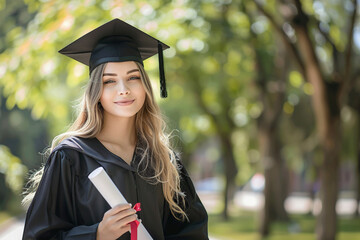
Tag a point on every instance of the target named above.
point(124, 102)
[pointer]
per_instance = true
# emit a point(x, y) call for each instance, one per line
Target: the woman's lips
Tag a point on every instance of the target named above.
point(124, 103)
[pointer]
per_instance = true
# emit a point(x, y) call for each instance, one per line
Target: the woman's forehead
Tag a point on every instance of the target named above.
point(120, 67)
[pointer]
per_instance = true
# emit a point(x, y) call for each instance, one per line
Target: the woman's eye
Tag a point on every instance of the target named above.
point(134, 78)
point(108, 81)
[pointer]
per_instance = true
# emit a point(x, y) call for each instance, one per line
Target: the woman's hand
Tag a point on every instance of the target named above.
point(116, 222)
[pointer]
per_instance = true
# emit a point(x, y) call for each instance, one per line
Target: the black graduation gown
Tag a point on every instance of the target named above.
point(68, 206)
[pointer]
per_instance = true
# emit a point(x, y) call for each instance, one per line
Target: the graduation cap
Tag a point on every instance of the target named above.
point(117, 41)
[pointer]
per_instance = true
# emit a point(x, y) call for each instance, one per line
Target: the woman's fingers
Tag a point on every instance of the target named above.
point(126, 220)
point(117, 209)
point(115, 217)
point(116, 222)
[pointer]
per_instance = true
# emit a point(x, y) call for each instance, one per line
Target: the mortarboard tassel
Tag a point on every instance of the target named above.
point(163, 92)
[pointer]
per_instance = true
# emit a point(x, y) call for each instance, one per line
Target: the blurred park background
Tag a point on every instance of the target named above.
point(264, 97)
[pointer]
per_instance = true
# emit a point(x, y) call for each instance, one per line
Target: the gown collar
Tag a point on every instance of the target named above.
point(93, 148)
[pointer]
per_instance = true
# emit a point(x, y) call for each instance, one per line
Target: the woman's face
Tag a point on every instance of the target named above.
point(123, 93)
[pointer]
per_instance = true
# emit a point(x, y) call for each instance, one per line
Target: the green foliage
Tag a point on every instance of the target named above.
point(12, 168)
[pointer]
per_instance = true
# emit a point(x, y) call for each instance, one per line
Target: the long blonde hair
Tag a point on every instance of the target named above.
point(150, 126)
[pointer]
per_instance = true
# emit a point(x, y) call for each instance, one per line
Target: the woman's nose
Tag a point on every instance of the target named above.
point(123, 88)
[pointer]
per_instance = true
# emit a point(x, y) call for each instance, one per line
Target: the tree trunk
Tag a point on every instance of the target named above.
point(275, 191)
point(224, 132)
point(230, 171)
point(358, 182)
point(4, 192)
point(357, 173)
point(329, 175)
point(327, 113)
point(275, 177)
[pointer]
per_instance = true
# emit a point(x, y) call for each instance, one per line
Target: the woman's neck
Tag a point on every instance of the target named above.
point(119, 131)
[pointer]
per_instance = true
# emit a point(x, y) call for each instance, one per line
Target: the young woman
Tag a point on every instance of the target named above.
point(119, 128)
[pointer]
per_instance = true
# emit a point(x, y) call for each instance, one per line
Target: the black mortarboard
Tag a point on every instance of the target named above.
point(117, 41)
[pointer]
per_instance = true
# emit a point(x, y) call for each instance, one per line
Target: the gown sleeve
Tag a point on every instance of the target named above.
point(51, 214)
point(196, 225)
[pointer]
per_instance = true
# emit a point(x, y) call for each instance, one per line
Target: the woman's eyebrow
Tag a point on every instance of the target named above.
point(134, 70)
point(109, 74)
point(114, 74)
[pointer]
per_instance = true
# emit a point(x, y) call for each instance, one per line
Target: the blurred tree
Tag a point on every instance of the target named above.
point(222, 120)
point(272, 68)
point(354, 103)
point(23, 137)
point(207, 79)
point(19, 134)
point(358, 166)
point(12, 168)
point(324, 58)
point(14, 15)
point(214, 69)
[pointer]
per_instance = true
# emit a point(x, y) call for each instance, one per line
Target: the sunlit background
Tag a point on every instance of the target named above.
point(264, 105)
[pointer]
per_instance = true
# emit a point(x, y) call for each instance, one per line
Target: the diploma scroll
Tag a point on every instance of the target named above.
point(113, 196)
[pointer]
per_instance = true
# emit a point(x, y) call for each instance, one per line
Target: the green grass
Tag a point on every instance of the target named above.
point(302, 227)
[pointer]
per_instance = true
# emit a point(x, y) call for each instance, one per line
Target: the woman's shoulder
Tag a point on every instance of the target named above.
point(72, 142)
point(71, 148)
point(72, 152)
point(75, 143)
point(67, 145)
point(88, 148)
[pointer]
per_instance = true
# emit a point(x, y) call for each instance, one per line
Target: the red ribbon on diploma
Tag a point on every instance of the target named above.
point(134, 224)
